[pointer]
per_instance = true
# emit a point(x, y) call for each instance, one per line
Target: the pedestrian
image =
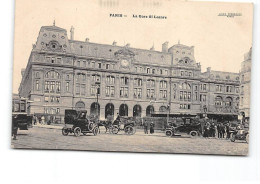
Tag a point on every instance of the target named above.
point(43, 120)
point(212, 130)
point(14, 127)
point(34, 120)
point(222, 129)
point(145, 127)
point(219, 131)
point(205, 131)
point(228, 131)
point(151, 128)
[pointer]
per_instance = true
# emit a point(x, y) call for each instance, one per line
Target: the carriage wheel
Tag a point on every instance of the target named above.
point(194, 133)
point(233, 138)
point(115, 130)
point(77, 131)
point(247, 138)
point(95, 131)
point(91, 126)
point(129, 130)
point(65, 131)
point(168, 133)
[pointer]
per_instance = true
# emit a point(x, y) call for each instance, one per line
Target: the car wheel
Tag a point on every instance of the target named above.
point(247, 138)
point(95, 131)
point(65, 132)
point(193, 133)
point(168, 133)
point(77, 131)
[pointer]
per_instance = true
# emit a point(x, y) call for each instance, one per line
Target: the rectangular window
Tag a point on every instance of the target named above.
point(147, 70)
point(59, 60)
point(67, 86)
point(166, 72)
point(84, 64)
point(77, 89)
point(182, 73)
point(78, 63)
point(46, 99)
point(83, 89)
point(189, 96)
point(58, 111)
point(58, 99)
point(52, 98)
point(204, 87)
point(196, 96)
point(181, 95)
point(93, 90)
point(52, 87)
point(124, 92)
point(58, 87)
point(185, 95)
point(99, 65)
point(107, 66)
point(93, 64)
point(37, 85)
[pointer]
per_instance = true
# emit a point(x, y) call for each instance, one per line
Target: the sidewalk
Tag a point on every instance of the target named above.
point(53, 126)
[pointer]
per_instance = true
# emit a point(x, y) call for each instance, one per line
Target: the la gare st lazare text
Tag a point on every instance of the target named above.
point(139, 16)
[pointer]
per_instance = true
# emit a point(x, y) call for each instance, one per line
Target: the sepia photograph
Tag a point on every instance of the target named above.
point(132, 76)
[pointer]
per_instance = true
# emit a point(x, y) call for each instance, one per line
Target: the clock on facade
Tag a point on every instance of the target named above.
point(125, 63)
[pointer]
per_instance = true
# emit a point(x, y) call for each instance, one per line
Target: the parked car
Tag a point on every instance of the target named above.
point(77, 122)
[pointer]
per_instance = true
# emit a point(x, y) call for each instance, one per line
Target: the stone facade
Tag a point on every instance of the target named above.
point(64, 74)
point(245, 84)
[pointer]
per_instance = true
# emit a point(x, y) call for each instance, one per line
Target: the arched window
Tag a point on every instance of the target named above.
point(52, 75)
point(95, 109)
point(137, 111)
point(109, 110)
point(218, 101)
point(228, 102)
point(80, 105)
point(149, 110)
point(123, 110)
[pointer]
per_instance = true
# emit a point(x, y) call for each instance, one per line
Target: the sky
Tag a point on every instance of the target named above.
point(220, 42)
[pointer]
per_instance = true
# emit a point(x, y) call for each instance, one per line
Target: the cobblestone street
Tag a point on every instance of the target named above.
point(46, 138)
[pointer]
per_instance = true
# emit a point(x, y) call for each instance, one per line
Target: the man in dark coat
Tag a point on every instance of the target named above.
point(152, 128)
point(14, 127)
point(146, 127)
point(219, 131)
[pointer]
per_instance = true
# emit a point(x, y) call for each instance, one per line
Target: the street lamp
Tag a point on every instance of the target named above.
point(98, 92)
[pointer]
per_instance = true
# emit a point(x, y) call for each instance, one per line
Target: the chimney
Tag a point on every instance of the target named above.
point(152, 48)
point(209, 69)
point(127, 45)
point(72, 33)
point(114, 43)
point(165, 47)
point(87, 40)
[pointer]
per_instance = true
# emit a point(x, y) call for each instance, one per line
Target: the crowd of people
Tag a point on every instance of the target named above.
point(218, 130)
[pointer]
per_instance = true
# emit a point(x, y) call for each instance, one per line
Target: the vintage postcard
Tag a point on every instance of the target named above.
point(132, 76)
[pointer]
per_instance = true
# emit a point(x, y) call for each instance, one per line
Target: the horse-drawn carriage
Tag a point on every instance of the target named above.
point(77, 122)
point(126, 124)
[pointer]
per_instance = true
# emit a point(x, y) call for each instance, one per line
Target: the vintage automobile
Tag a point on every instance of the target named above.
point(189, 126)
point(23, 121)
point(125, 124)
point(240, 135)
point(76, 122)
